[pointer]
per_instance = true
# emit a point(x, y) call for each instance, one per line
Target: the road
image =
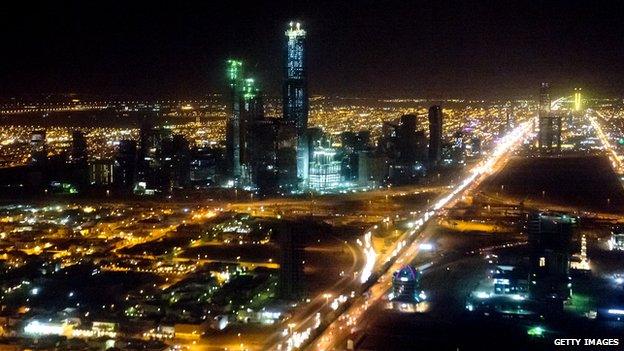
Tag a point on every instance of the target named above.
point(339, 330)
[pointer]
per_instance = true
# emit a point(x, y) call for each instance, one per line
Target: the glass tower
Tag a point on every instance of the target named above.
point(233, 147)
point(295, 94)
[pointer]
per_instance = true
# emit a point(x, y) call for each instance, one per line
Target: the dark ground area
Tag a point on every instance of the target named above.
point(588, 182)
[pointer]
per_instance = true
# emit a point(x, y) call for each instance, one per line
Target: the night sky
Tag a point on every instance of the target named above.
point(357, 48)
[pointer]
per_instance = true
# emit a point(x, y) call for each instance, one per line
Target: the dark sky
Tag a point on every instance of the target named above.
point(357, 48)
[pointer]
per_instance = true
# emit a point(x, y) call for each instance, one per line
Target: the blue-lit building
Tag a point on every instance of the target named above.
point(295, 93)
point(405, 286)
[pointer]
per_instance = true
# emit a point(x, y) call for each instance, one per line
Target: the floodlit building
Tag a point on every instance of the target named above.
point(324, 169)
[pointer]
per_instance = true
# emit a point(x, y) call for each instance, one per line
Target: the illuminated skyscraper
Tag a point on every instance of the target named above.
point(578, 104)
point(295, 93)
point(324, 169)
point(233, 147)
point(435, 133)
point(544, 98)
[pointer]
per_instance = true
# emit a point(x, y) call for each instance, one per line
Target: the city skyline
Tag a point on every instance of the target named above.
point(430, 50)
point(211, 186)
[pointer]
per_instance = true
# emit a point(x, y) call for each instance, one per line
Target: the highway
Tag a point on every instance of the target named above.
point(616, 160)
point(338, 331)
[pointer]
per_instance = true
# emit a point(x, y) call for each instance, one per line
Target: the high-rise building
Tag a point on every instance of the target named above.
point(544, 98)
point(125, 165)
point(578, 102)
point(263, 155)
point(151, 174)
point(38, 148)
point(233, 132)
point(435, 134)
point(291, 263)
point(295, 92)
point(549, 134)
point(286, 156)
point(252, 111)
point(204, 165)
point(549, 240)
point(324, 169)
point(175, 161)
point(78, 153)
point(78, 159)
point(550, 235)
point(101, 172)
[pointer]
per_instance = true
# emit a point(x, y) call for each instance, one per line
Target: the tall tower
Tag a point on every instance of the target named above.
point(435, 134)
point(578, 104)
point(233, 146)
point(251, 112)
point(295, 93)
point(544, 99)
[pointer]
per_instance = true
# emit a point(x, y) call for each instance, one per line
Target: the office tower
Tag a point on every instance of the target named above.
point(549, 134)
point(233, 147)
point(78, 152)
point(78, 160)
point(286, 156)
point(549, 237)
point(578, 103)
point(406, 150)
point(38, 148)
point(372, 168)
point(544, 99)
point(151, 175)
point(175, 161)
point(252, 110)
point(205, 163)
point(263, 153)
point(101, 172)
point(324, 169)
point(352, 144)
point(291, 262)
point(435, 134)
point(125, 165)
point(295, 92)
point(408, 141)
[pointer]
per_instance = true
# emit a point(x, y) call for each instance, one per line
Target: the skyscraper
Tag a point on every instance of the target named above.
point(544, 99)
point(295, 93)
point(291, 266)
point(233, 150)
point(435, 134)
point(549, 134)
point(251, 111)
point(550, 235)
point(38, 148)
point(578, 103)
point(78, 154)
point(125, 164)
